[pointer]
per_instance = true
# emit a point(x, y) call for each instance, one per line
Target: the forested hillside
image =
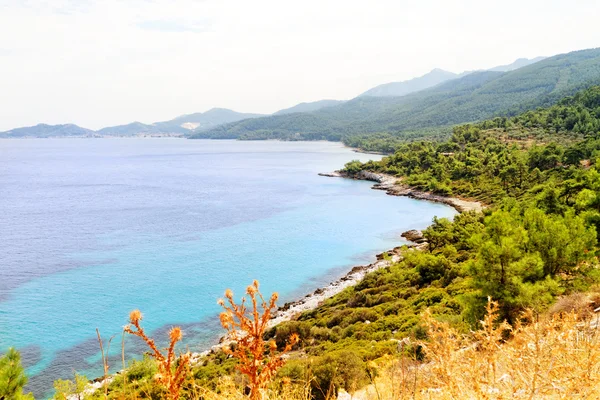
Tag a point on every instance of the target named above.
point(474, 97)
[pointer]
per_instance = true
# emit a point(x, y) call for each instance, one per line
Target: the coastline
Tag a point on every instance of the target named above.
point(393, 187)
point(291, 310)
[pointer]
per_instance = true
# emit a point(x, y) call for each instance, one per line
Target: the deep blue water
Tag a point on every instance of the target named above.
point(91, 229)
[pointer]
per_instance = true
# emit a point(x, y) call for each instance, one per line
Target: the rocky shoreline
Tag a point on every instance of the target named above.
point(394, 187)
point(415, 241)
point(291, 310)
point(414, 238)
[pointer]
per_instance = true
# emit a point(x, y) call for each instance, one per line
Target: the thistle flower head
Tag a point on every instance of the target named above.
point(135, 316)
point(229, 294)
point(175, 334)
point(221, 302)
point(226, 319)
point(274, 297)
point(272, 345)
point(251, 290)
point(294, 338)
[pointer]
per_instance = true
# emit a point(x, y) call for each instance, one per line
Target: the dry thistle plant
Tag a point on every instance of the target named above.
point(258, 359)
point(172, 370)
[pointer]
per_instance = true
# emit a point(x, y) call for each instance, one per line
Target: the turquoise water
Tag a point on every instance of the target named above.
point(91, 229)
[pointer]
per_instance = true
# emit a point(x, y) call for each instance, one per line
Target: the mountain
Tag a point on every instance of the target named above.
point(435, 77)
point(178, 126)
point(48, 131)
point(309, 107)
point(129, 129)
point(519, 63)
point(208, 119)
point(181, 125)
point(473, 97)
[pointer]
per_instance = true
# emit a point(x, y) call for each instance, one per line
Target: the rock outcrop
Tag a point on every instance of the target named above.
point(414, 235)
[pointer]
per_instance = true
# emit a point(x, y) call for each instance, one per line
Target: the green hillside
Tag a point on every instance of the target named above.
point(474, 97)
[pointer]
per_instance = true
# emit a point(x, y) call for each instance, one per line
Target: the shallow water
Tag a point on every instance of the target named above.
point(91, 229)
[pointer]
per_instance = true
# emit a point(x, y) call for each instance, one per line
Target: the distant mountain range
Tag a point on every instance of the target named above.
point(430, 79)
point(181, 125)
point(474, 96)
point(519, 63)
point(178, 126)
point(435, 77)
point(438, 98)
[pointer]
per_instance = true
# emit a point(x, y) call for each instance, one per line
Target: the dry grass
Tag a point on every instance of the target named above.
point(228, 390)
point(554, 357)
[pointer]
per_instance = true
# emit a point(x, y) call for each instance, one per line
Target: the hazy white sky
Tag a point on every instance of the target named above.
point(108, 62)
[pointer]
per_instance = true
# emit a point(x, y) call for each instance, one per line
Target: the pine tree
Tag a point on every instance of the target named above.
point(12, 377)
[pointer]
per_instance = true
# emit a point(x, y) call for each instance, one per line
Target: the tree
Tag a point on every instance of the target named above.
point(12, 377)
point(562, 242)
point(501, 264)
point(65, 389)
point(353, 167)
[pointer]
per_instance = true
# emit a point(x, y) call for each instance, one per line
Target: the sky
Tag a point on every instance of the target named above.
point(110, 62)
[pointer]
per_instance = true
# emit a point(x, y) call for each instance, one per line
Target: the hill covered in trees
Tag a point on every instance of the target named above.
point(474, 97)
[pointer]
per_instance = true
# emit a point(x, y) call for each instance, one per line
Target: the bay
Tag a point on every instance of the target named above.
point(93, 228)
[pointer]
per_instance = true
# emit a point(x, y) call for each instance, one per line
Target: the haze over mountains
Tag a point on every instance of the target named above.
point(437, 99)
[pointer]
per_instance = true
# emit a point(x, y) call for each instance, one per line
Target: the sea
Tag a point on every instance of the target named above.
point(91, 229)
